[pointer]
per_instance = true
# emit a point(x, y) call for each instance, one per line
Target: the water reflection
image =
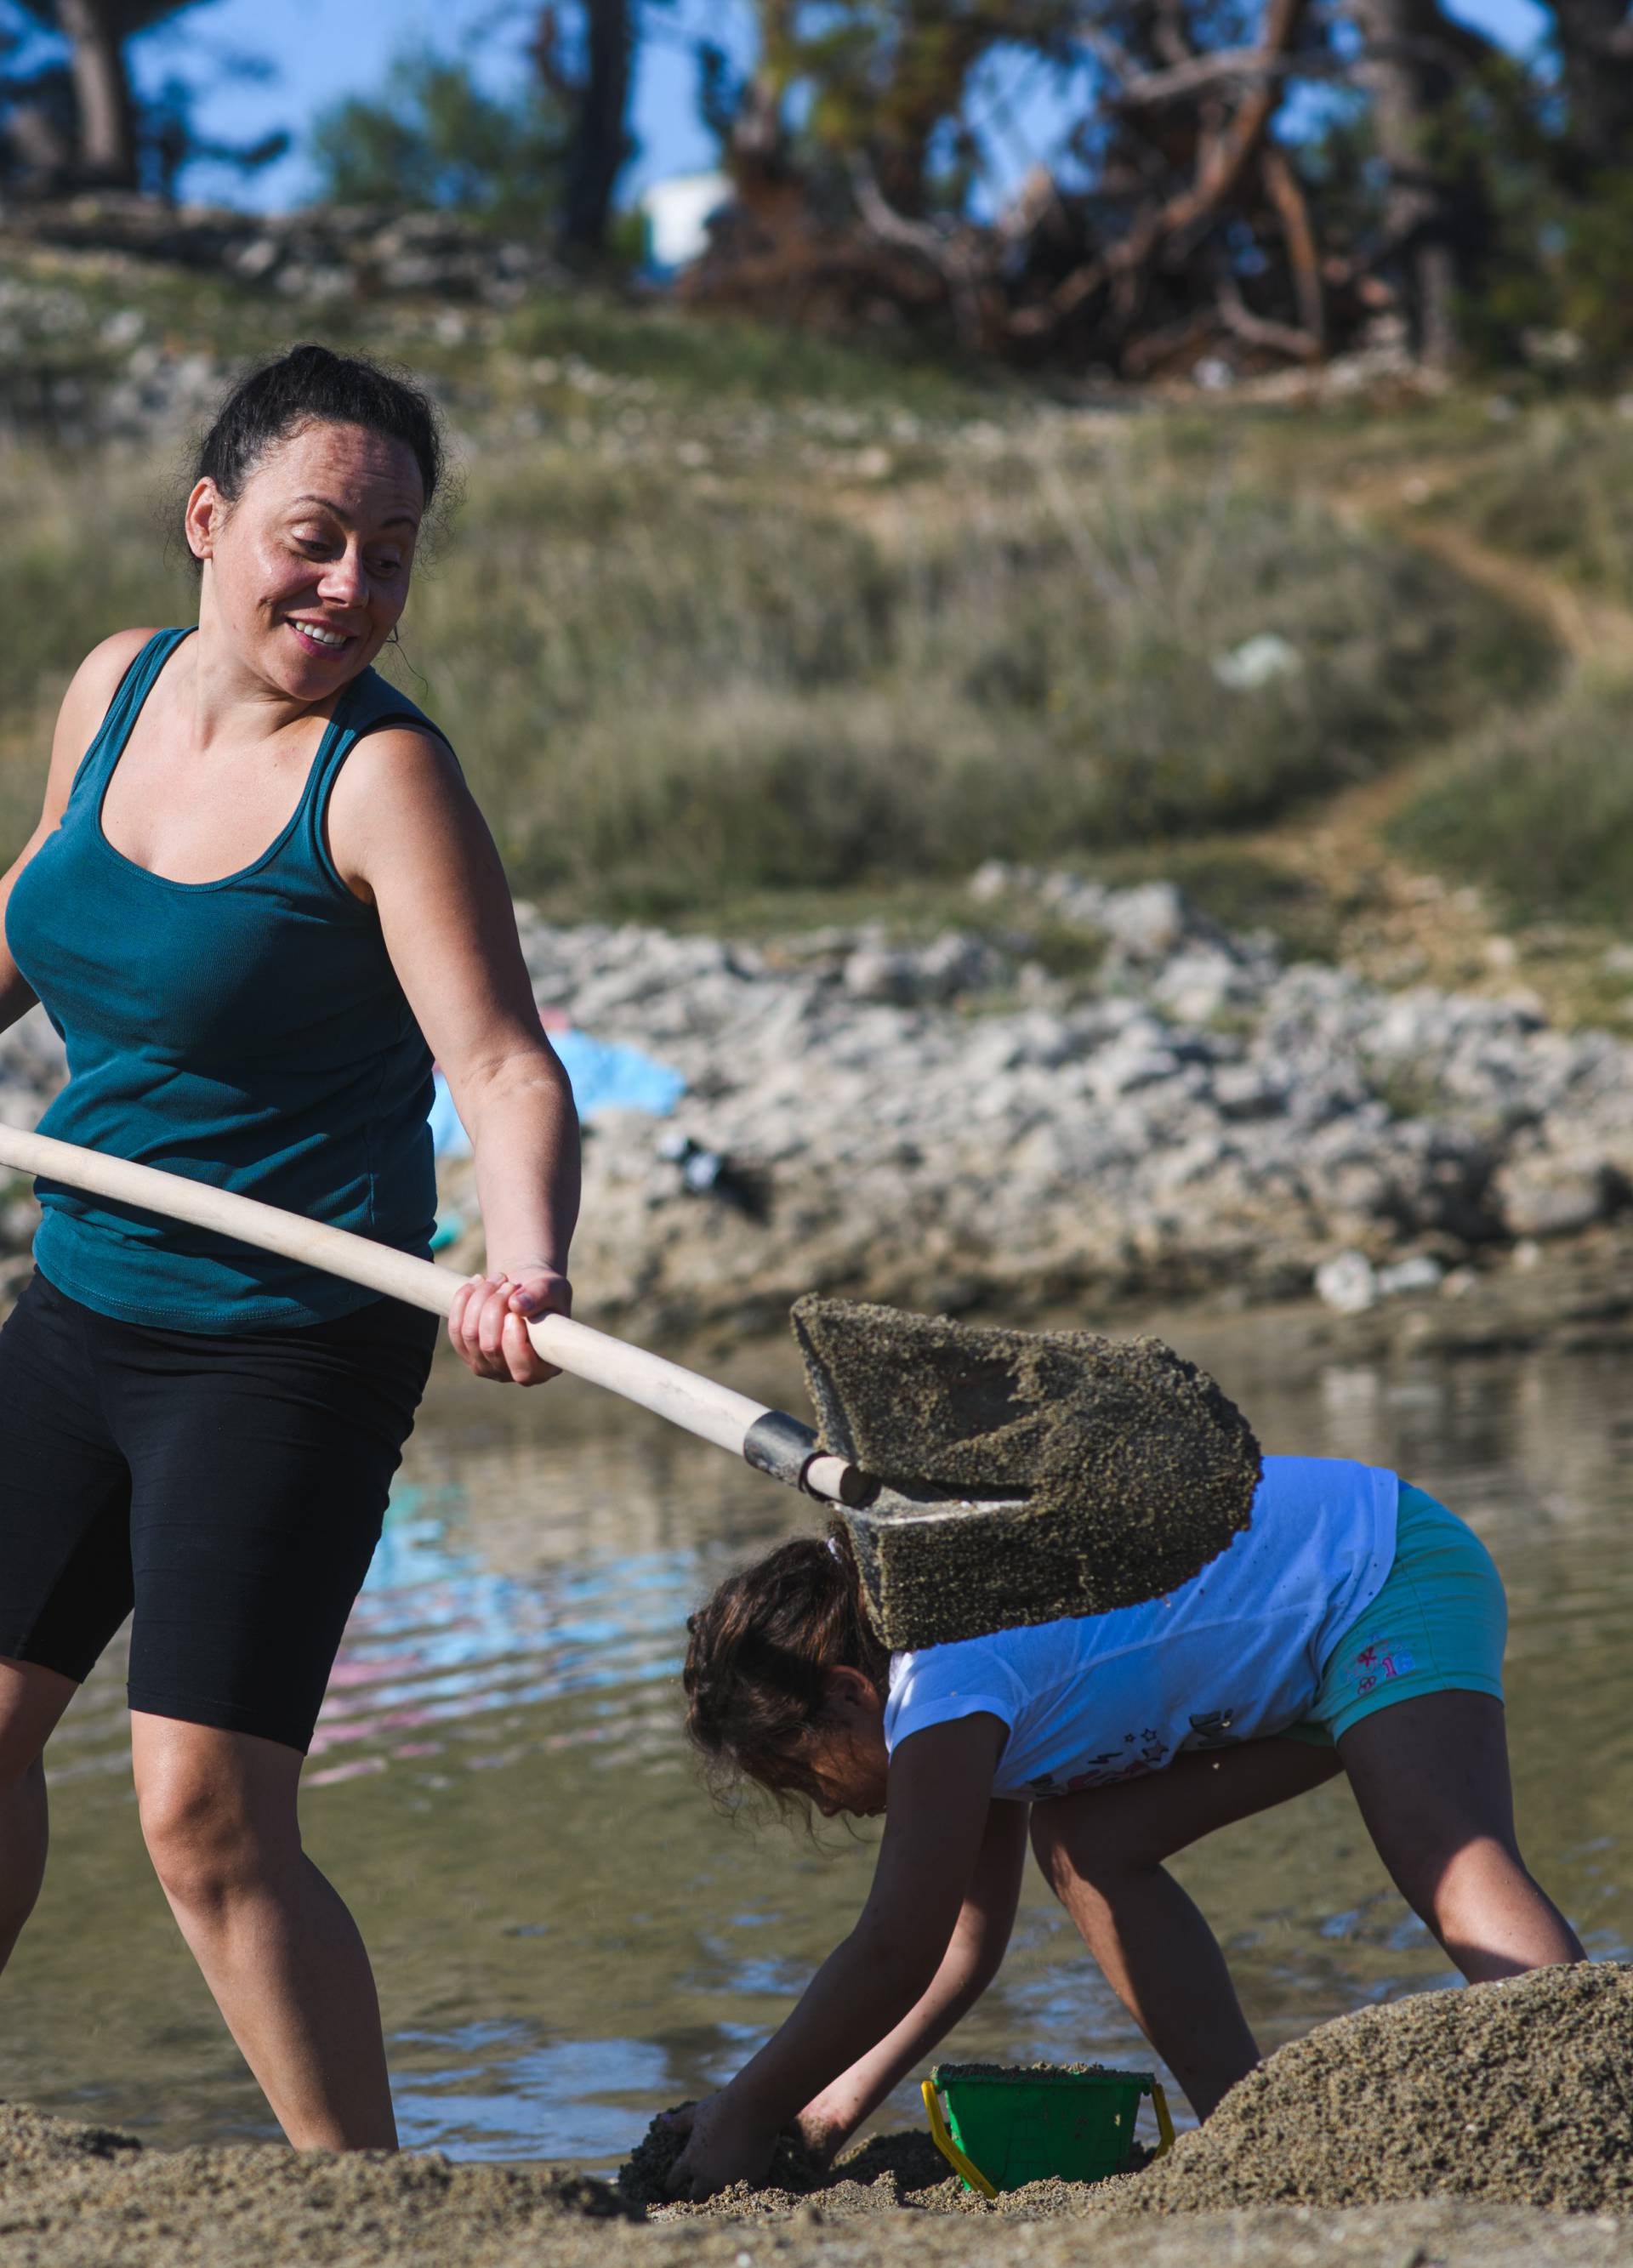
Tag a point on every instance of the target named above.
point(568, 1937)
point(439, 1637)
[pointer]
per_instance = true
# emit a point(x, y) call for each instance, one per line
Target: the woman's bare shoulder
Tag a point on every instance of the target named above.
point(96, 681)
point(105, 664)
point(401, 802)
point(401, 768)
point(86, 703)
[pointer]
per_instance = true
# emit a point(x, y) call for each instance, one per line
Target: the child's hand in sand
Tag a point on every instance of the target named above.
point(823, 2132)
point(724, 2146)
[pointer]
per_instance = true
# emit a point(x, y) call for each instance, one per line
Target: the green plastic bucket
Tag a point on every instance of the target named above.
point(1007, 2128)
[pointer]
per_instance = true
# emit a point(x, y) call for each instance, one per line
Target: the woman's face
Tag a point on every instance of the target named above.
point(308, 571)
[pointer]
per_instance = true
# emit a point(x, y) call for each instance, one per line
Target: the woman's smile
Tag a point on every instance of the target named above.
point(318, 638)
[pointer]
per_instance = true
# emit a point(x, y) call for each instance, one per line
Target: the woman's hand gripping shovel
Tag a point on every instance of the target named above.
point(988, 1479)
point(770, 1439)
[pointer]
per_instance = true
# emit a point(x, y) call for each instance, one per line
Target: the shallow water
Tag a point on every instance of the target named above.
point(567, 1937)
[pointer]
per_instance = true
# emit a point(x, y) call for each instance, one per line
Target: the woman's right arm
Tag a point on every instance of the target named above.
point(969, 1965)
point(85, 705)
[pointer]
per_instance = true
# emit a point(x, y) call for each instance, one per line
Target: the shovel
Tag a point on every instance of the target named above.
point(1044, 1475)
point(769, 1439)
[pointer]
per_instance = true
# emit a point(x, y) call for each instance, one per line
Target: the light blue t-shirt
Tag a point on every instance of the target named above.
point(1234, 1655)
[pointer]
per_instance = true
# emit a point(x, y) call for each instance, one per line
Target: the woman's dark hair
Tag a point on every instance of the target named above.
point(757, 1666)
point(312, 386)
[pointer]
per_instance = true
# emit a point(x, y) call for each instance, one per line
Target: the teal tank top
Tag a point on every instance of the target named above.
point(249, 1033)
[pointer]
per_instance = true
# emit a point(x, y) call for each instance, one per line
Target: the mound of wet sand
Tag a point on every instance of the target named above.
point(1135, 1468)
point(1517, 2092)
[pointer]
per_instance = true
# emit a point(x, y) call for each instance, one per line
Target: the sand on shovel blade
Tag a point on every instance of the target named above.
point(1133, 1469)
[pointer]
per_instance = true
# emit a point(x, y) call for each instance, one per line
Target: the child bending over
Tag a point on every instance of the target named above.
point(1356, 1626)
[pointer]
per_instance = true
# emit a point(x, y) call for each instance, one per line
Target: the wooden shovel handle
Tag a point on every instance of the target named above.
point(768, 1439)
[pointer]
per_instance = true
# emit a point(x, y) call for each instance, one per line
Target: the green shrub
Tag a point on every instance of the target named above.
point(666, 687)
point(662, 691)
point(1560, 493)
point(1540, 807)
point(431, 138)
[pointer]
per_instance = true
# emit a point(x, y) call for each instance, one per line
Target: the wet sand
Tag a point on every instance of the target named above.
point(76, 2197)
point(1448, 2123)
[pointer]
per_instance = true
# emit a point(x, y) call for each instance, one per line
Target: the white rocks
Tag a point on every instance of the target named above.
point(1557, 1196)
point(954, 963)
point(1349, 1282)
point(916, 1122)
point(1149, 921)
point(1420, 1271)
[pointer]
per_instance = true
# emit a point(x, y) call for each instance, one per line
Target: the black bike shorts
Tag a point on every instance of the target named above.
point(230, 1489)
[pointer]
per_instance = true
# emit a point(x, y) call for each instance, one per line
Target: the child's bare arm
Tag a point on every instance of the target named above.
point(935, 1823)
point(969, 1965)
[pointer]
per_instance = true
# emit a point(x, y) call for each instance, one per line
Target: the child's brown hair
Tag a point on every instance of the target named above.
point(760, 1652)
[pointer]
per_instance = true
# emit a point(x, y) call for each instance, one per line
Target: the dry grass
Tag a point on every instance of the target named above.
point(691, 652)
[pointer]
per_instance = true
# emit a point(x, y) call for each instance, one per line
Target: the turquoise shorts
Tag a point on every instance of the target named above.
point(1438, 1625)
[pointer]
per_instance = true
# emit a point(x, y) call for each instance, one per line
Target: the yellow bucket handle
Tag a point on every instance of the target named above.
point(1165, 2122)
point(949, 2150)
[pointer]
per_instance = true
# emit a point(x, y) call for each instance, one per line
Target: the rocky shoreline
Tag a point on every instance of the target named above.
point(948, 1125)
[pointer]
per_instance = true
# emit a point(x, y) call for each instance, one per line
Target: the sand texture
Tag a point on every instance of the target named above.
point(642, 2178)
point(1468, 2128)
point(1470, 2110)
point(1135, 1468)
point(1517, 2092)
point(72, 2194)
point(1513, 2094)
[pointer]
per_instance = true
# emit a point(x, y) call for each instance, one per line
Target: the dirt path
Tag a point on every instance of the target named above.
point(1404, 925)
point(1593, 630)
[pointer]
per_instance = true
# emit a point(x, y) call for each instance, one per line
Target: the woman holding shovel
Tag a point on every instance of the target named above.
point(258, 898)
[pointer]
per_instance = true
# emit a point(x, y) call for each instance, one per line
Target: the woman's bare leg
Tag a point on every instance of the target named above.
point(31, 1701)
point(1102, 1854)
point(278, 1948)
point(1431, 1777)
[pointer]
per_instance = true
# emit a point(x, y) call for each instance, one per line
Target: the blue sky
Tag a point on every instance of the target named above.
point(321, 52)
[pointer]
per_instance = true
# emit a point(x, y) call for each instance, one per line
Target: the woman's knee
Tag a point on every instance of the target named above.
point(208, 1839)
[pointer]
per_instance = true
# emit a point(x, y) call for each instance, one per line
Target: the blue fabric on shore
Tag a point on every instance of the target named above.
point(604, 1075)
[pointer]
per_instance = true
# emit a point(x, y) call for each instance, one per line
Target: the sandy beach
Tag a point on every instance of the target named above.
point(1450, 2127)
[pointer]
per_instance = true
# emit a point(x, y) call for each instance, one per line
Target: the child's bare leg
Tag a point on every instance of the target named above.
point(1431, 1777)
point(1102, 1854)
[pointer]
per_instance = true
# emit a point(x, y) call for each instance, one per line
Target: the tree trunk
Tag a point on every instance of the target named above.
point(1596, 56)
point(596, 157)
point(1434, 216)
point(106, 155)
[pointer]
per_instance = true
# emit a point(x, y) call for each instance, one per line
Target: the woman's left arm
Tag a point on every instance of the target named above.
point(407, 837)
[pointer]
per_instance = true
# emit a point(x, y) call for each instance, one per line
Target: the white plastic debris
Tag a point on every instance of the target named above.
point(1348, 1282)
point(1258, 661)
